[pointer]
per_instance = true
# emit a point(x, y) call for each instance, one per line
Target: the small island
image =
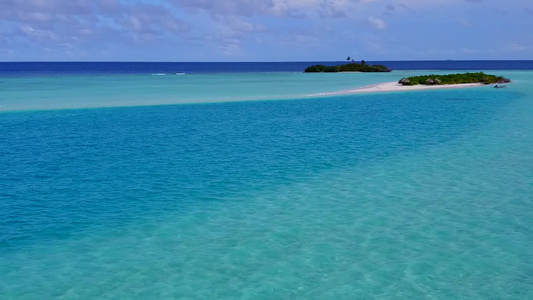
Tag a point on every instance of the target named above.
point(349, 67)
point(459, 78)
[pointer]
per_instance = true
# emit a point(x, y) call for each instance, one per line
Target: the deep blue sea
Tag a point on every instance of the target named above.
point(243, 181)
point(106, 68)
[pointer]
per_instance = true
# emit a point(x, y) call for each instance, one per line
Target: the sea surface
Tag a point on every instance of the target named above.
point(252, 181)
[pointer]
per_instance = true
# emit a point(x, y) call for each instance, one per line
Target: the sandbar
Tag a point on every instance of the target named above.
point(396, 87)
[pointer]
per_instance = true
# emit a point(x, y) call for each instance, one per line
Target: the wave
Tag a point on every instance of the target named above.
point(164, 74)
point(319, 94)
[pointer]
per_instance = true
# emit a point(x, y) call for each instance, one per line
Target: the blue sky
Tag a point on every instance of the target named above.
point(264, 30)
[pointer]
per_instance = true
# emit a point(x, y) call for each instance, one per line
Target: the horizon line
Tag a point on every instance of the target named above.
point(284, 61)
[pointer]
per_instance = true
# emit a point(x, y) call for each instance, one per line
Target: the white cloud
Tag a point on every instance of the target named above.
point(469, 51)
point(465, 22)
point(377, 23)
point(231, 49)
point(182, 29)
point(39, 34)
point(515, 48)
point(239, 7)
point(57, 22)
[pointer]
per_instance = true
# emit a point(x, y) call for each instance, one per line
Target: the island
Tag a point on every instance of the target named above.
point(459, 78)
point(428, 82)
point(349, 67)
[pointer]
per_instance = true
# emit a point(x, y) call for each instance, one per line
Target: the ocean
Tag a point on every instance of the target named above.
point(252, 181)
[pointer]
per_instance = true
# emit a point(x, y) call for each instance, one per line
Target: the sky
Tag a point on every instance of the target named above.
point(264, 30)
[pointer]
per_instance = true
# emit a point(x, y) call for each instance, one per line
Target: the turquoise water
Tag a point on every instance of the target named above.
point(415, 195)
point(81, 91)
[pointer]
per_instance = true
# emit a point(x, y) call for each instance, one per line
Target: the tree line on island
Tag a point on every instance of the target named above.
point(459, 78)
point(349, 67)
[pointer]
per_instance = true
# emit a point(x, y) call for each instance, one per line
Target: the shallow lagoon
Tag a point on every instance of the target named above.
point(424, 194)
point(83, 91)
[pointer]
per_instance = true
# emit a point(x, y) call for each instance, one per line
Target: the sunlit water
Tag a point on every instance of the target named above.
point(82, 91)
point(415, 195)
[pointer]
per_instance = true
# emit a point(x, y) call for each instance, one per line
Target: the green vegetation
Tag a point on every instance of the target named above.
point(350, 67)
point(459, 78)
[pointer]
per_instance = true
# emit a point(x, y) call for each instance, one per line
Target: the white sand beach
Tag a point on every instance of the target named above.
point(395, 86)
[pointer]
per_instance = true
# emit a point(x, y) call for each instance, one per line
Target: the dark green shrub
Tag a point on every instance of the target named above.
point(350, 67)
point(459, 78)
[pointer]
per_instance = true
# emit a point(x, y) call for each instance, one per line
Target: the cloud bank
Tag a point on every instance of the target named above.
point(252, 30)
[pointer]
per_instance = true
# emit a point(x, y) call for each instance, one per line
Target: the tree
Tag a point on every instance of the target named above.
point(363, 63)
point(349, 58)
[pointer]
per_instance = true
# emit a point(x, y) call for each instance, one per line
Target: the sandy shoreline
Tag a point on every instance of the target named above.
point(396, 87)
